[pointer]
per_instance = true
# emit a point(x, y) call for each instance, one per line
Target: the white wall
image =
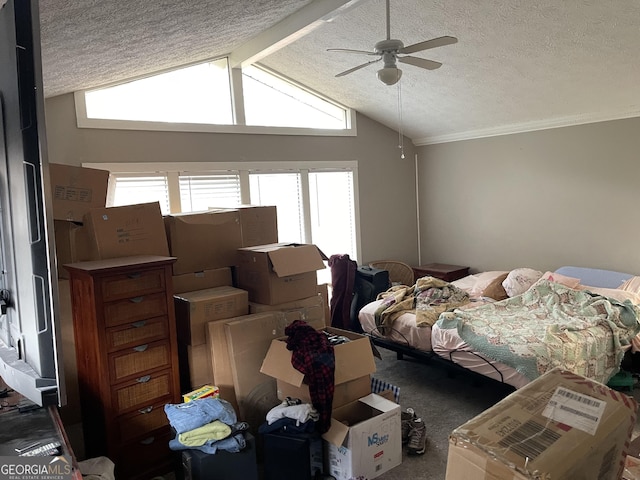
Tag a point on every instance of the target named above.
point(386, 183)
point(567, 196)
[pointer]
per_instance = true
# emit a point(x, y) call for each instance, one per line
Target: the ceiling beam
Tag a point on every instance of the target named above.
point(288, 30)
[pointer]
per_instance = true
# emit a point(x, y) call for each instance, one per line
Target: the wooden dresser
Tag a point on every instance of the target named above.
point(126, 350)
point(445, 272)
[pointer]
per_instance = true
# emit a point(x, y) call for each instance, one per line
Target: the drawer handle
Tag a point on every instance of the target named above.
point(139, 324)
point(133, 276)
point(147, 441)
point(141, 348)
point(136, 299)
point(146, 410)
point(144, 379)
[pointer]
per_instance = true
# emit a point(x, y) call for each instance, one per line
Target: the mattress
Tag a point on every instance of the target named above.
point(404, 332)
point(448, 345)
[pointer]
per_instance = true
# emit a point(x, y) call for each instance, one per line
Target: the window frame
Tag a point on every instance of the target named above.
point(237, 104)
point(172, 170)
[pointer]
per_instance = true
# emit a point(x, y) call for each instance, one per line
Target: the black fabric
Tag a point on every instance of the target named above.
point(343, 272)
point(368, 283)
point(312, 354)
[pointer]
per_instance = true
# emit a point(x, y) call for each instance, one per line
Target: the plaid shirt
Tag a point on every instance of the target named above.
point(312, 354)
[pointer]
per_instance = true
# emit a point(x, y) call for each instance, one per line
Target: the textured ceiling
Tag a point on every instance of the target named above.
point(517, 65)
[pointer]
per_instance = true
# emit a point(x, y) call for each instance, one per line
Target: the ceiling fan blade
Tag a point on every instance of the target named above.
point(347, 72)
point(348, 50)
point(433, 43)
point(420, 62)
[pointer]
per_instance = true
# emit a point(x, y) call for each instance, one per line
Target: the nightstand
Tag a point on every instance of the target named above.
point(448, 273)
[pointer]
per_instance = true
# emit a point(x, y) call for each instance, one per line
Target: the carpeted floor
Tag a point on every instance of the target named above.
point(445, 398)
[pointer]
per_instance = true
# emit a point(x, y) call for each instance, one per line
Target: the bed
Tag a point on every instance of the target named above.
point(592, 321)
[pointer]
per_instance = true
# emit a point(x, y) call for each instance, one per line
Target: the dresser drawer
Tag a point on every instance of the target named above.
point(137, 459)
point(136, 361)
point(143, 391)
point(135, 308)
point(139, 423)
point(137, 333)
point(132, 284)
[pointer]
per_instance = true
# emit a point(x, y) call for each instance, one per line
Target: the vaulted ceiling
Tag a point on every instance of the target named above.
point(517, 65)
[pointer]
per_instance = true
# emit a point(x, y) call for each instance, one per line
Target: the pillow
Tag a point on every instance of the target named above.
point(520, 280)
point(483, 280)
point(495, 290)
point(631, 285)
point(569, 282)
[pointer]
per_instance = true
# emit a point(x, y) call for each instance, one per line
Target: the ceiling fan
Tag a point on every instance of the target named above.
point(391, 51)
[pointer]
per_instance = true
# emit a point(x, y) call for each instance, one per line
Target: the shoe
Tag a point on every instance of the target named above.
point(406, 419)
point(417, 437)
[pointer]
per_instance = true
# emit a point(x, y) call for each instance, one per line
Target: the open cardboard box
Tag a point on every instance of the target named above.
point(279, 272)
point(364, 440)
point(354, 363)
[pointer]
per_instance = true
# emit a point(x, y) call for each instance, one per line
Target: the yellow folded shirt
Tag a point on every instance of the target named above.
point(197, 437)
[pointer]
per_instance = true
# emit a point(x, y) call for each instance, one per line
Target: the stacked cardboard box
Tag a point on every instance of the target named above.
point(75, 190)
point(364, 440)
point(194, 311)
point(561, 425)
point(279, 272)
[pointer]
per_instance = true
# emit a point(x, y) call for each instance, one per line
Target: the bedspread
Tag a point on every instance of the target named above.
point(549, 326)
point(428, 298)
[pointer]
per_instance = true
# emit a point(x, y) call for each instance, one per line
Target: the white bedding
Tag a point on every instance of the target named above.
point(405, 332)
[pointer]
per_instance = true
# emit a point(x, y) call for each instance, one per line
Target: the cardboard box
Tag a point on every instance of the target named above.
point(75, 190)
point(364, 440)
point(343, 393)
point(258, 224)
point(200, 372)
point(561, 425)
point(353, 360)
point(203, 240)
point(195, 309)
point(310, 310)
point(188, 282)
point(279, 272)
point(72, 244)
point(125, 231)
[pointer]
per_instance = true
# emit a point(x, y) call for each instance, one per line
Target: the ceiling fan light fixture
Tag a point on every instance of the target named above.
point(389, 75)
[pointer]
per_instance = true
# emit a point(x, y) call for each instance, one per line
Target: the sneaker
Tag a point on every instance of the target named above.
point(417, 437)
point(406, 419)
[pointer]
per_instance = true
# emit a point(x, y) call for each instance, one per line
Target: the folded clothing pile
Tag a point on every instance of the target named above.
point(206, 424)
point(291, 416)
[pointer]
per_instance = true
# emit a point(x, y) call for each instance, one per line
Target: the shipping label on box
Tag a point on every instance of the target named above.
point(195, 309)
point(560, 425)
point(126, 231)
point(203, 240)
point(364, 440)
point(75, 190)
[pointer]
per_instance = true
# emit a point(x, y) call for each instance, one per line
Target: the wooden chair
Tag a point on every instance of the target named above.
point(399, 272)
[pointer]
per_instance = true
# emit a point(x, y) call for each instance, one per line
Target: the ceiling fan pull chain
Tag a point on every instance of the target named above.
point(400, 129)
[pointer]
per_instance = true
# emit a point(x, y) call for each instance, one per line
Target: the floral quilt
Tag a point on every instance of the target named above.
point(550, 326)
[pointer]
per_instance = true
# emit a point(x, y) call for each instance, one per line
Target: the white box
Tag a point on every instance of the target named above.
point(370, 445)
